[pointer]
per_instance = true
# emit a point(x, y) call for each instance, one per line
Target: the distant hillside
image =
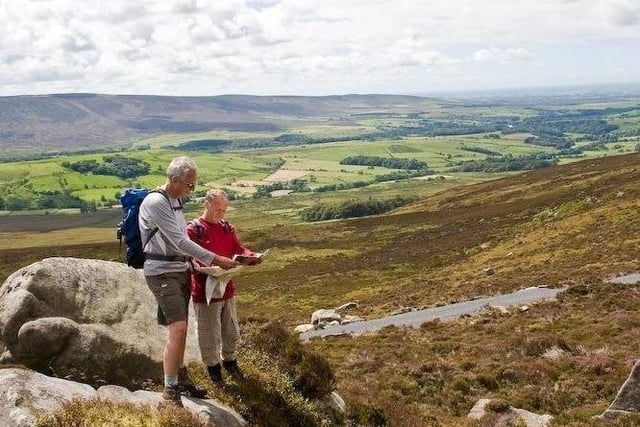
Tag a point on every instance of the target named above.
point(85, 122)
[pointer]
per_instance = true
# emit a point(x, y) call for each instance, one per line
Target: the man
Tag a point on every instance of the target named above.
point(167, 251)
point(216, 319)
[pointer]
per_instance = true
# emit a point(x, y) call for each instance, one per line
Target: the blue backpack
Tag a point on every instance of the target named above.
point(128, 229)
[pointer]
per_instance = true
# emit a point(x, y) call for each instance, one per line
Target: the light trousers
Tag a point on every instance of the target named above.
point(218, 331)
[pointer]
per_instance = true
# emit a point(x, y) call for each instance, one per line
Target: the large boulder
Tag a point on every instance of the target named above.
point(91, 319)
point(24, 393)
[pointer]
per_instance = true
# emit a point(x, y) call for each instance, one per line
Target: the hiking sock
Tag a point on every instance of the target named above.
point(171, 380)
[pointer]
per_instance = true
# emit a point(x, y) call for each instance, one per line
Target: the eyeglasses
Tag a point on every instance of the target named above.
point(191, 185)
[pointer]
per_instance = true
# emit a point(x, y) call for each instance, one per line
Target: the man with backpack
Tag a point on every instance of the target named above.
point(167, 252)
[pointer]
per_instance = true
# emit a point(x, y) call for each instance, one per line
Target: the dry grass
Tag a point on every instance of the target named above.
point(100, 413)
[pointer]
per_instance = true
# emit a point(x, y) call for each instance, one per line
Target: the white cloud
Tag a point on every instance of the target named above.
point(623, 12)
point(502, 55)
point(201, 47)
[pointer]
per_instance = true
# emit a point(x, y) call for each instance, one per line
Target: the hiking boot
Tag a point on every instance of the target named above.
point(215, 373)
point(186, 387)
point(232, 367)
point(171, 396)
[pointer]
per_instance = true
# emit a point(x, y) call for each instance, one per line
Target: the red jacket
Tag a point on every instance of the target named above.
point(220, 238)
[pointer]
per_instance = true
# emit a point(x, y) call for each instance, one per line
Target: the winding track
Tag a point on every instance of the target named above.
point(448, 312)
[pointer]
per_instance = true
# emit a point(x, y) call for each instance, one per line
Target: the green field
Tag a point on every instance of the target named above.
point(222, 169)
point(392, 132)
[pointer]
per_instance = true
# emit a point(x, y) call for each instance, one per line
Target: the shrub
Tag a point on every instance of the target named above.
point(498, 405)
point(314, 376)
point(488, 381)
point(598, 363)
point(311, 372)
point(462, 385)
point(361, 415)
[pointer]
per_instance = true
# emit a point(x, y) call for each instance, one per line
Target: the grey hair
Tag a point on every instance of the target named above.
point(216, 193)
point(180, 167)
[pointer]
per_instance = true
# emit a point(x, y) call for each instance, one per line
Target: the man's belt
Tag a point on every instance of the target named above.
point(162, 257)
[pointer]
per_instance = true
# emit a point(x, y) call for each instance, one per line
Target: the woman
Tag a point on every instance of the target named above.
point(217, 322)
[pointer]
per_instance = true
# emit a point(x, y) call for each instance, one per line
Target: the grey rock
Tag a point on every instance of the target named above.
point(210, 411)
point(23, 393)
point(44, 338)
point(85, 318)
point(324, 316)
point(347, 306)
point(527, 418)
point(303, 328)
point(337, 402)
point(350, 319)
point(628, 398)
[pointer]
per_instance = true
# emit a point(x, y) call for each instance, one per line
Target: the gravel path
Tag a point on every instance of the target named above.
point(416, 318)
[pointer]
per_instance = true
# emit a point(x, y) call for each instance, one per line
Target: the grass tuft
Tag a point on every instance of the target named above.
point(101, 413)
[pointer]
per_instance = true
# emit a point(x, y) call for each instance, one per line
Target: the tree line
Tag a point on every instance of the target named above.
point(46, 200)
point(385, 162)
point(353, 208)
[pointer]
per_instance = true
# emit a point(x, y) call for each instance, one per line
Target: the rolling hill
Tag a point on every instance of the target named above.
point(88, 122)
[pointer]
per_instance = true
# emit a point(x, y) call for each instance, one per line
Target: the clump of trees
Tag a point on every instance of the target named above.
point(117, 165)
point(507, 162)
point(353, 208)
point(546, 140)
point(385, 162)
point(295, 186)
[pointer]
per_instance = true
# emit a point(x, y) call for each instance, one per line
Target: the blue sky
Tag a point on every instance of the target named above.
point(314, 47)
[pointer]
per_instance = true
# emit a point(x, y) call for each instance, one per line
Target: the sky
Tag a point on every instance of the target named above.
point(313, 47)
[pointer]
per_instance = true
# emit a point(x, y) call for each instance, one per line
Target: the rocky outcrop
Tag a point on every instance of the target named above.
point(325, 317)
point(90, 319)
point(24, 392)
point(627, 400)
point(510, 416)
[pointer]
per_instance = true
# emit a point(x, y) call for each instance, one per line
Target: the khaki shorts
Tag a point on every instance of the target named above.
point(172, 294)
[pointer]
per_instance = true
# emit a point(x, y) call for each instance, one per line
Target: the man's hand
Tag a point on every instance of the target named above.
point(224, 262)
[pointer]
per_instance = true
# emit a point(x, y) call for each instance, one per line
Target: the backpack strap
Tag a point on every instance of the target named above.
point(166, 196)
point(197, 226)
point(199, 229)
point(155, 230)
point(227, 226)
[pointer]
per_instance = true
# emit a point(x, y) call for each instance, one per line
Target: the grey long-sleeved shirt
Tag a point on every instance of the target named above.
point(171, 237)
